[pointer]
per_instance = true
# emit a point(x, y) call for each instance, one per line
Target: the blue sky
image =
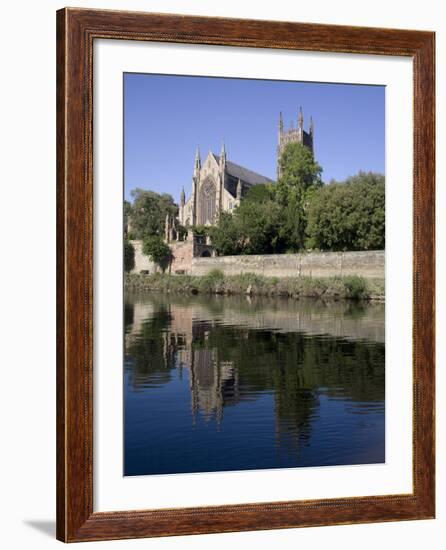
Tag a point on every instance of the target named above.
point(166, 117)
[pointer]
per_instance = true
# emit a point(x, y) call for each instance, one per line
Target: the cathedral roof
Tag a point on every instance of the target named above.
point(246, 175)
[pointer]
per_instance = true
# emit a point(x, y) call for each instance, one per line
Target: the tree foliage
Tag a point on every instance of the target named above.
point(148, 213)
point(293, 221)
point(254, 228)
point(129, 255)
point(301, 175)
point(299, 172)
point(224, 236)
point(260, 193)
point(127, 214)
point(258, 225)
point(154, 247)
point(201, 230)
point(348, 215)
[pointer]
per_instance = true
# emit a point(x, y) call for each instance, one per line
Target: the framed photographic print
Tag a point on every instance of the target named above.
point(245, 275)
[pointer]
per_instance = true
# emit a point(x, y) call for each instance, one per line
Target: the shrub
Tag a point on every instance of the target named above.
point(157, 250)
point(356, 286)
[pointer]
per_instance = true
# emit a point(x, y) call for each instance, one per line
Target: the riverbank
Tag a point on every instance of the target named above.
point(215, 282)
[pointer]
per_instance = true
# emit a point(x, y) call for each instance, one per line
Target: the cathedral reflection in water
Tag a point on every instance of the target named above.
point(310, 375)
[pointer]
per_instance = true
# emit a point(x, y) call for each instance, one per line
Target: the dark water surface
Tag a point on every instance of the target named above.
point(235, 383)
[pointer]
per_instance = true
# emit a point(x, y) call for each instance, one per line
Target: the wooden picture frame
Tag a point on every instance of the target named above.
point(76, 31)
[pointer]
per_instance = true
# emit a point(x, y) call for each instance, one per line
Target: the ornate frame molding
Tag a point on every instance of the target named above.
point(76, 31)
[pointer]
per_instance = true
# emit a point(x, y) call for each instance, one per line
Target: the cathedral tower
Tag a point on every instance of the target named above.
point(294, 135)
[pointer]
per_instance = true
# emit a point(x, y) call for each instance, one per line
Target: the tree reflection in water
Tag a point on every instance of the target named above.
point(237, 350)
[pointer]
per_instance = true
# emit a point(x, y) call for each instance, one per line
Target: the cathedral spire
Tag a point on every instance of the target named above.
point(197, 158)
point(300, 119)
point(182, 197)
point(311, 127)
point(197, 163)
point(223, 152)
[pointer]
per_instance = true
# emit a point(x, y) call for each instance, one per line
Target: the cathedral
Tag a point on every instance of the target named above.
point(219, 184)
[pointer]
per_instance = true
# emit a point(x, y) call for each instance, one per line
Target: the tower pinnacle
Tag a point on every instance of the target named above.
point(239, 190)
point(197, 158)
point(300, 119)
point(223, 151)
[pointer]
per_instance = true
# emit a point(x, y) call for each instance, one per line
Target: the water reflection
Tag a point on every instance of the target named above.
point(230, 383)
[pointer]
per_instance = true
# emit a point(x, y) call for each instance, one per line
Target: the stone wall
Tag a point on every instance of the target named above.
point(182, 254)
point(142, 262)
point(369, 264)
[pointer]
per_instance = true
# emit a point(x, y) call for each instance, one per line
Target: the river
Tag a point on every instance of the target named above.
point(220, 383)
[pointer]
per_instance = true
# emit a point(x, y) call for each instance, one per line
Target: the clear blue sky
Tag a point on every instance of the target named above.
point(166, 117)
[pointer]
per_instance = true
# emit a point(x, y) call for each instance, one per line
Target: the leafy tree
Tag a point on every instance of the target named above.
point(148, 213)
point(348, 215)
point(154, 247)
point(224, 236)
point(201, 230)
point(299, 171)
point(258, 227)
point(301, 175)
point(252, 229)
point(293, 221)
point(260, 193)
point(127, 216)
point(129, 255)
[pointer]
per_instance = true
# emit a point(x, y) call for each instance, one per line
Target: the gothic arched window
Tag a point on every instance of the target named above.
point(206, 201)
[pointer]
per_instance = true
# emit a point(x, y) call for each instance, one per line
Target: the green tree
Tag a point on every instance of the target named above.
point(299, 171)
point(253, 228)
point(201, 230)
point(348, 215)
point(154, 247)
point(148, 213)
point(258, 227)
point(129, 255)
point(127, 216)
point(260, 193)
point(301, 175)
point(293, 221)
point(225, 236)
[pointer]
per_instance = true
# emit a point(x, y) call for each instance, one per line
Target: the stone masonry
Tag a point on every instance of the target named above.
point(369, 264)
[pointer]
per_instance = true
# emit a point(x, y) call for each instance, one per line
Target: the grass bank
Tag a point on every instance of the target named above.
point(215, 282)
